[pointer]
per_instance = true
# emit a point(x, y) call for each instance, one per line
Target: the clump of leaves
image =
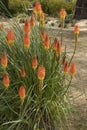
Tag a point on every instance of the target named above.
point(34, 78)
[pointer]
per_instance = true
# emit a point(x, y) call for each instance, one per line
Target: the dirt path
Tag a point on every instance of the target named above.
point(78, 118)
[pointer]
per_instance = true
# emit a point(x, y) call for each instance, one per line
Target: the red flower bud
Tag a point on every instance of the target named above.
point(34, 62)
point(26, 41)
point(72, 69)
point(6, 80)
point(4, 60)
point(41, 73)
point(37, 8)
point(59, 49)
point(10, 37)
point(66, 68)
point(62, 14)
point(22, 93)
point(76, 29)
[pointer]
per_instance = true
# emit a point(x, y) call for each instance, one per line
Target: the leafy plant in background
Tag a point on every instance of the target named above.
point(35, 75)
point(52, 7)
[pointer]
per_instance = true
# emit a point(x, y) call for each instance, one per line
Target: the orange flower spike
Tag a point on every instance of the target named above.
point(41, 73)
point(62, 14)
point(4, 60)
point(43, 35)
point(32, 21)
point(76, 32)
point(76, 29)
point(47, 42)
point(56, 44)
point(66, 68)
point(22, 94)
point(34, 62)
point(26, 41)
point(6, 80)
point(37, 8)
point(10, 37)
point(59, 49)
point(23, 74)
point(27, 27)
point(72, 69)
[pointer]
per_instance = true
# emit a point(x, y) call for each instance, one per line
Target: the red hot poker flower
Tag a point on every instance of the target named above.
point(59, 49)
point(56, 44)
point(23, 74)
point(72, 69)
point(27, 27)
point(4, 60)
point(76, 29)
point(22, 94)
point(62, 14)
point(26, 41)
point(46, 43)
point(41, 73)
point(6, 80)
point(37, 8)
point(10, 37)
point(34, 62)
point(65, 67)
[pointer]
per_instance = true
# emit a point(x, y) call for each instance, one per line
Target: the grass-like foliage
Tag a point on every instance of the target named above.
point(34, 78)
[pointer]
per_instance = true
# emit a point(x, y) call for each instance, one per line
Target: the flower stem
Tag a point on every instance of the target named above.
point(27, 58)
point(73, 53)
point(61, 36)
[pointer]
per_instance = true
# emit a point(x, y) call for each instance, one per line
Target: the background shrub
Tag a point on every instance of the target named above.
point(19, 6)
point(52, 7)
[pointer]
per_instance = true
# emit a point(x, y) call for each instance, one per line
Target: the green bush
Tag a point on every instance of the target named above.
point(46, 101)
point(52, 7)
point(18, 6)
